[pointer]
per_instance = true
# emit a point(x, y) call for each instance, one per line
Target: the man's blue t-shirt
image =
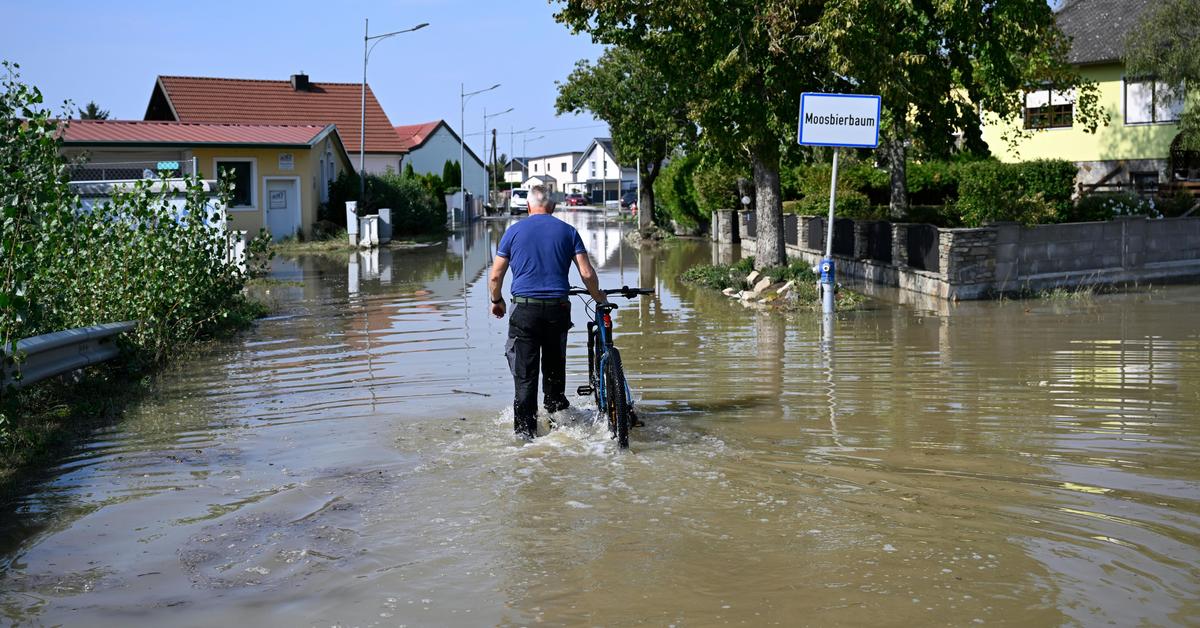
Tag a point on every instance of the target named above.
point(539, 250)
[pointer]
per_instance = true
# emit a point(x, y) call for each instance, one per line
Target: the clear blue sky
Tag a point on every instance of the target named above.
point(111, 52)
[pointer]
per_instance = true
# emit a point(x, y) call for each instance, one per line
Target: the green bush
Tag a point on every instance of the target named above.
point(675, 192)
point(851, 201)
point(933, 182)
point(716, 187)
point(414, 208)
point(1106, 206)
point(138, 257)
point(1031, 192)
point(417, 207)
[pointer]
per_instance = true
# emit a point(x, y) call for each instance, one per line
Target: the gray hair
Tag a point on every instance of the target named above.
point(539, 197)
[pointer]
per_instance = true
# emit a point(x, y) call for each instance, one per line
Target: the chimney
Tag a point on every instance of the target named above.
point(300, 82)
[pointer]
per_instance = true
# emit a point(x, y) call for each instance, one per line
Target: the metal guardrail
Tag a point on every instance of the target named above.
point(61, 352)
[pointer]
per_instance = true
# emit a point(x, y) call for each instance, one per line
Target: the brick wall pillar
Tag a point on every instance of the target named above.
point(968, 256)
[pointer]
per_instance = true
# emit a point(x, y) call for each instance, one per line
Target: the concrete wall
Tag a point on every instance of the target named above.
point(1011, 258)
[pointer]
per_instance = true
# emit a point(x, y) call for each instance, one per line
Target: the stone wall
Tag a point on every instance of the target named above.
point(1011, 258)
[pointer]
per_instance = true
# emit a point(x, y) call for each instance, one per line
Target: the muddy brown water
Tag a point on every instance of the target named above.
point(349, 462)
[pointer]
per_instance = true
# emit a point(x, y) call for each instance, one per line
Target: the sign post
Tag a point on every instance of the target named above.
point(836, 120)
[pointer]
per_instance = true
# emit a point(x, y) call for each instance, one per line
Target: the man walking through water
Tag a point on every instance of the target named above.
point(539, 249)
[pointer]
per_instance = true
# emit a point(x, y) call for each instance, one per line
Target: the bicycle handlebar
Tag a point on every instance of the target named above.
point(624, 291)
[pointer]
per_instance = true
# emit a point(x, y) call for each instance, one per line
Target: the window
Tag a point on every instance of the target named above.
point(593, 167)
point(564, 166)
point(1145, 182)
point(535, 167)
point(1049, 109)
point(242, 173)
point(1148, 101)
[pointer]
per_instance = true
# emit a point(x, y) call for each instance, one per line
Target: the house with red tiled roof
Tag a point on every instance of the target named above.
point(281, 172)
point(294, 101)
point(431, 144)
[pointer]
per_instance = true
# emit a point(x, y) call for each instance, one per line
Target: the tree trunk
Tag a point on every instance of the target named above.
point(648, 175)
point(769, 249)
point(896, 156)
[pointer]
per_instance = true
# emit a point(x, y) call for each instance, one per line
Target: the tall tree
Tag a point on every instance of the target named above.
point(739, 65)
point(646, 115)
point(1166, 45)
point(936, 62)
point(93, 112)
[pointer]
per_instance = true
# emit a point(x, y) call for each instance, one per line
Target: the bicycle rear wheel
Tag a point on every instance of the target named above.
point(618, 404)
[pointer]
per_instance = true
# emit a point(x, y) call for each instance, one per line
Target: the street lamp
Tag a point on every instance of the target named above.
point(487, 185)
point(362, 121)
point(462, 132)
point(511, 148)
point(525, 144)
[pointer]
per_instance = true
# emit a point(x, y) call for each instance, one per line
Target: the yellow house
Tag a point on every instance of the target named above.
point(281, 172)
point(1135, 148)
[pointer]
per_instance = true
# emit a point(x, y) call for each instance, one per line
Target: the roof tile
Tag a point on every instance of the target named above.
point(252, 101)
point(142, 131)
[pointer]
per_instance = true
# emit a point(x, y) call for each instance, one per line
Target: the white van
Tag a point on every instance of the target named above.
point(518, 203)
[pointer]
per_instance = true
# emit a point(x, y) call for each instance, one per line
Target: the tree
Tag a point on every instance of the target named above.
point(935, 62)
point(450, 174)
point(740, 65)
point(93, 112)
point(646, 116)
point(1166, 45)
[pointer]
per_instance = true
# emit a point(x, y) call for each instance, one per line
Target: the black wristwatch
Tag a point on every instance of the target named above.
point(496, 301)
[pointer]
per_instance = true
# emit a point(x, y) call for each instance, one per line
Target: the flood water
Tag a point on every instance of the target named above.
point(350, 462)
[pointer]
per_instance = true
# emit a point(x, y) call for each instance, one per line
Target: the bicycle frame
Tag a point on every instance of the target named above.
point(600, 341)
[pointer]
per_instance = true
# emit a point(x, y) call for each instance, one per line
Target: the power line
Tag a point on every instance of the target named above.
point(572, 128)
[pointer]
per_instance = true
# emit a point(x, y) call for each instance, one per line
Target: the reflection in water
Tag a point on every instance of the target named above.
point(350, 461)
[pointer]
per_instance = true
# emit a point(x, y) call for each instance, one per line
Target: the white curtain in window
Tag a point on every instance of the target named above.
point(1139, 101)
point(1167, 108)
point(1035, 100)
point(1062, 98)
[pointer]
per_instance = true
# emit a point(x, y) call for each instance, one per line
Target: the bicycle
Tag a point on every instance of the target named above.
point(606, 377)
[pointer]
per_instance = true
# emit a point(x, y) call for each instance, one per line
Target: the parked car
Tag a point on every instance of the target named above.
point(575, 200)
point(518, 203)
point(628, 199)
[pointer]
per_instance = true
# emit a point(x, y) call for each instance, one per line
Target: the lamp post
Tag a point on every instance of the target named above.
point(487, 186)
point(362, 120)
point(525, 144)
point(462, 153)
point(511, 149)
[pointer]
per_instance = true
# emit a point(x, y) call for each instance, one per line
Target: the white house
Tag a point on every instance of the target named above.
point(431, 144)
point(598, 175)
point(559, 166)
point(545, 180)
point(515, 171)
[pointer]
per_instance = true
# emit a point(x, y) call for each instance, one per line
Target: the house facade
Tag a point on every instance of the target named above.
point(1135, 147)
point(599, 176)
point(296, 101)
point(558, 167)
point(431, 144)
point(281, 173)
point(515, 171)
